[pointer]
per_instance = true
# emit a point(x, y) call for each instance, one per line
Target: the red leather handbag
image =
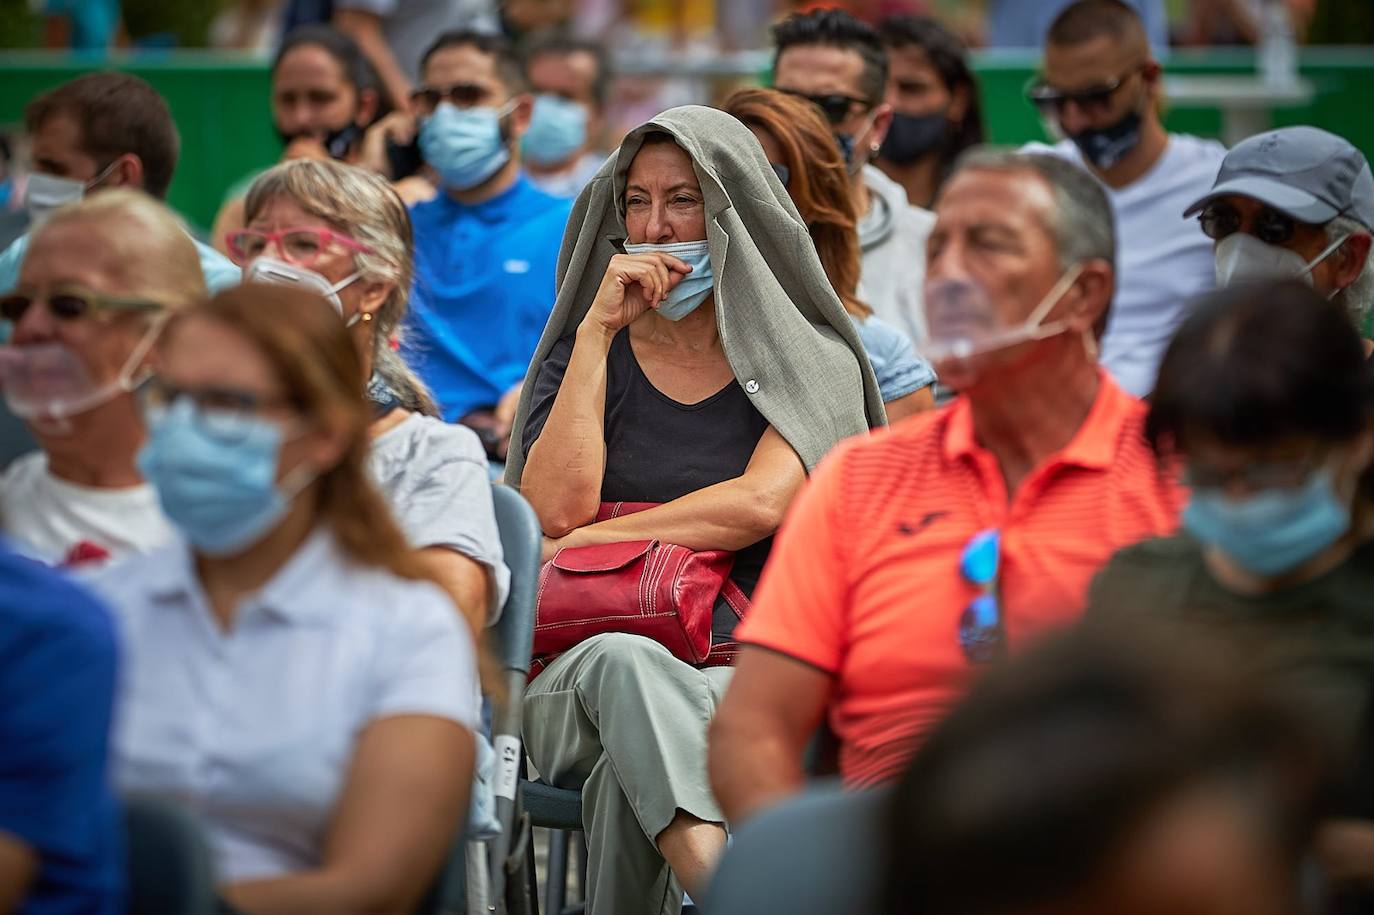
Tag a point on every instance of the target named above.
point(662, 591)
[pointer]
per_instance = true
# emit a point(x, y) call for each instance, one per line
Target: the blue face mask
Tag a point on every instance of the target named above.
point(1273, 532)
point(693, 289)
point(558, 128)
point(216, 476)
point(464, 145)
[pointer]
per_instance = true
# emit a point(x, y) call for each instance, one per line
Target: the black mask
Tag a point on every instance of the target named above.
point(336, 142)
point(912, 136)
point(1106, 146)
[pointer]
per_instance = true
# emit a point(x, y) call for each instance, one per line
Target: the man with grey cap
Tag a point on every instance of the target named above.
point(1294, 202)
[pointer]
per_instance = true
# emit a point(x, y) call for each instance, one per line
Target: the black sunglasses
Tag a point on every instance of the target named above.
point(834, 106)
point(68, 304)
point(460, 95)
point(1095, 100)
point(1270, 226)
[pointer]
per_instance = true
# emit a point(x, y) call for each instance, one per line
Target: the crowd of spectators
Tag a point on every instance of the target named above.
point(1026, 491)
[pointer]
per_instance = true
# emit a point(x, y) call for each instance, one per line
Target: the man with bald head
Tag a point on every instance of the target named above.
point(1100, 87)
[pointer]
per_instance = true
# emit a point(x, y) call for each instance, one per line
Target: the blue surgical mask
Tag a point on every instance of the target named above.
point(693, 289)
point(466, 146)
point(1275, 531)
point(558, 128)
point(216, 476)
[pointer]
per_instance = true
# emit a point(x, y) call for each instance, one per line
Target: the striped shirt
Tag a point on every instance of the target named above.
point(864, 580)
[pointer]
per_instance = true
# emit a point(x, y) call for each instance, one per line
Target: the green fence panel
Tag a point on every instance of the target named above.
point(220, 104)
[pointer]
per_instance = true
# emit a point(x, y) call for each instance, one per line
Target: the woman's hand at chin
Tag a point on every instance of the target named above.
point(633, 284)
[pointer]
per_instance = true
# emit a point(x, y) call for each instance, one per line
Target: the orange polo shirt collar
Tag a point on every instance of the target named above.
point(1093, 446)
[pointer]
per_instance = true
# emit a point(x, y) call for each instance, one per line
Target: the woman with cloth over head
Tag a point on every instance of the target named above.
point(698, 358)
point(802, 151)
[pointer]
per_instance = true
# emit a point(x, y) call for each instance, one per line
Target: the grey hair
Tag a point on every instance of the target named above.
point(363, 205)
point(1082, 226)
point(1358, 297)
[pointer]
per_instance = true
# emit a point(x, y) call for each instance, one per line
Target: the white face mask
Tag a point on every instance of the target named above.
point(1243, 258)
point(268, 269)
point(44, 193)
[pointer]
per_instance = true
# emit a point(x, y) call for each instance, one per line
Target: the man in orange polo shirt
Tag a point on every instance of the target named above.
point(920, 553)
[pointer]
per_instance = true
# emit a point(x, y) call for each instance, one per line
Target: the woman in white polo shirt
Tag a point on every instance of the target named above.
point(293, 674)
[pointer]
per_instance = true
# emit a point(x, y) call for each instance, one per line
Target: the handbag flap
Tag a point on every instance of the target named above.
point(604, 557)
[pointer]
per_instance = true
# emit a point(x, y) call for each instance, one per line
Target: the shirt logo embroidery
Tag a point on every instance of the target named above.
point(911, 530)
point(516, 266)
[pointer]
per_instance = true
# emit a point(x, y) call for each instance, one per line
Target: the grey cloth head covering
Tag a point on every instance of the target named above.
point(789, 341)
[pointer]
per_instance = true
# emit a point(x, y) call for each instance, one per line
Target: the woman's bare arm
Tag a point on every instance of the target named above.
point(730, 515)
point(563, 472)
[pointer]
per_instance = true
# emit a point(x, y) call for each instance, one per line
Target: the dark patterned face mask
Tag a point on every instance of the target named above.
point(383, 399)
point(1106, 146)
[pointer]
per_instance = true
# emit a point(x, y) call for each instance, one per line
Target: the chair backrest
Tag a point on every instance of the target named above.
point(814, 855)
point(15, 438)
point(169, 862)
point(522, 541)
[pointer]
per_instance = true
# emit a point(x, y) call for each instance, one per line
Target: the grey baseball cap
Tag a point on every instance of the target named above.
point(1311, 175)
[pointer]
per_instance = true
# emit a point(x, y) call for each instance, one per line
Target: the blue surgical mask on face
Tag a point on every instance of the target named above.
point(465, 146)
point(693, 289)
point(1274, 531)
point(558, 128)
point(216, 476)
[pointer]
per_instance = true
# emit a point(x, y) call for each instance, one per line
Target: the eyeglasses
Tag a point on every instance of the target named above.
point(835, 106)
point(1255, 477)
point(460, 95)
point(302, 246)
point(1269, 225)
point(227, 413)
point(1093, 101)
point(980, 625)
point(68, 303)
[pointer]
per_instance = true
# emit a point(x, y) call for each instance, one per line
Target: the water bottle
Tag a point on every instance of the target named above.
point(1278, 52)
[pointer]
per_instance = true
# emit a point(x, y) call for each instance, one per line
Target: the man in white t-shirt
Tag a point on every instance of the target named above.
point(99, 278)
point(1101, 88)
point(839, 64)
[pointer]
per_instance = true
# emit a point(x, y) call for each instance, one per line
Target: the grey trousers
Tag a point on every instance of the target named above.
point(621, 718)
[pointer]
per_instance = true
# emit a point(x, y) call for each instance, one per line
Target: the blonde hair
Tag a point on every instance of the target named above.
point(363, 205)
point(157, 258)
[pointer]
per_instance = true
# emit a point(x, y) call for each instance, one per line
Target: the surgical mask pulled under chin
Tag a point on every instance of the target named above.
point(46, 383)
point(964, 323)
point(1243, 258)
point(267, 269)
point(692, 289)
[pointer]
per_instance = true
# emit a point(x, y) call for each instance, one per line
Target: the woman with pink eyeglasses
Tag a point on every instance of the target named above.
point(342, 231)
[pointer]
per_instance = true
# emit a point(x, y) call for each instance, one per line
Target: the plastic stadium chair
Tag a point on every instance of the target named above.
point(522, 541)
point(15, 438)
point(169, 863)
point(814, 855)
